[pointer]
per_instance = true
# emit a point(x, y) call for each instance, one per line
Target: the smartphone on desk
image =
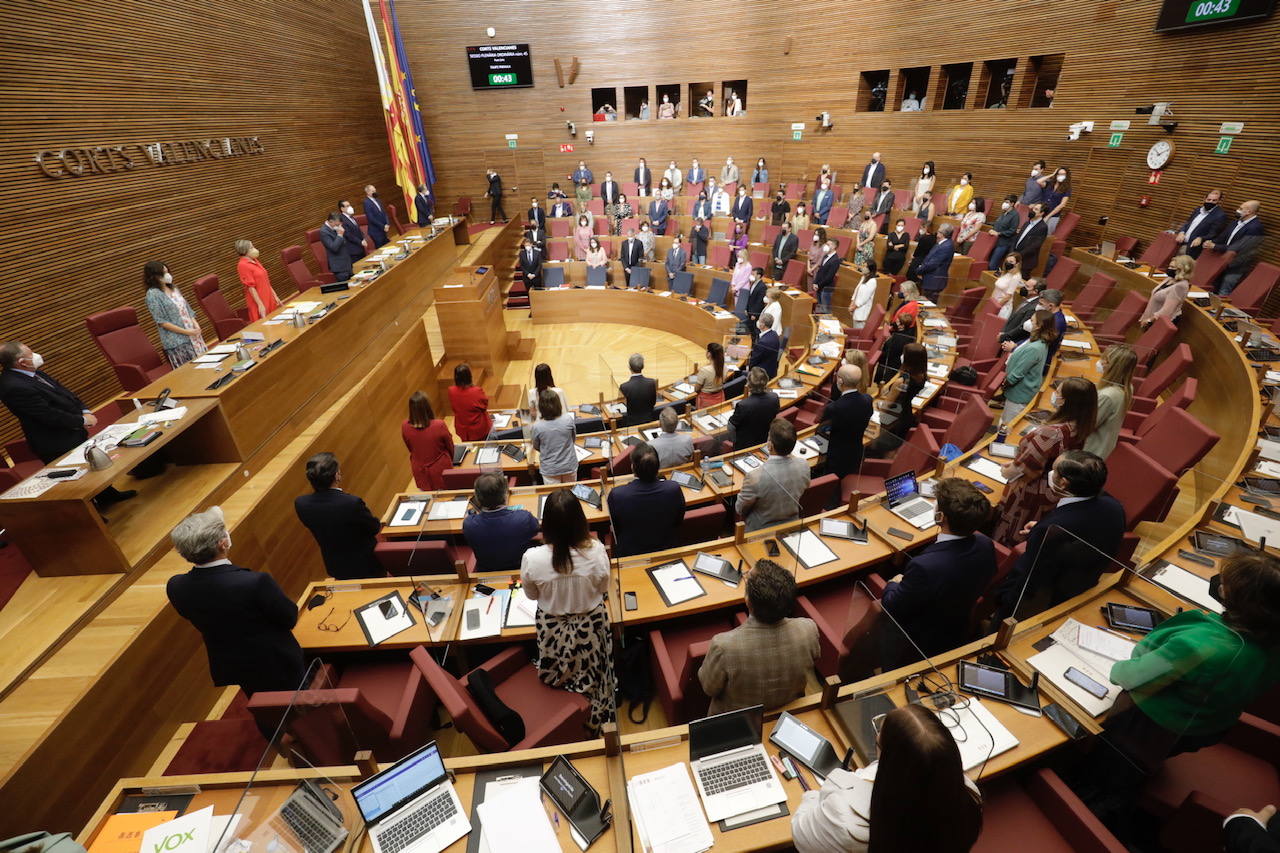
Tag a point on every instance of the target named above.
point(771, 547)
point(629, 601)
point(1085, 683)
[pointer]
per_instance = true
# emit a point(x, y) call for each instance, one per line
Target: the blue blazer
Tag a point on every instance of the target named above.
point(335, 249)
point(702, 208)
point(376, 215)
point(938, 589)
point(696, 176)
point(821, 209)
point(646, 516)
point(765, 353)
point(659, 210)
point(1066, 554)
point(936, 267)
point(353, 236)
point(1210, 225)
point(426, 209)
point(247, 624)
point(579, 175)
point(742, 208)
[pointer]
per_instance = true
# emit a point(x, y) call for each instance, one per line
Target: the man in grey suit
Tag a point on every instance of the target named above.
point(771, 493)
point(674, 448)
point(335, 247)
point(676, 259)
point(784, 249)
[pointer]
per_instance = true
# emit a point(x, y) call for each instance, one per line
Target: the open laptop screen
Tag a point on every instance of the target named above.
point(408, 778)
point(901, 488)
point(723, 732)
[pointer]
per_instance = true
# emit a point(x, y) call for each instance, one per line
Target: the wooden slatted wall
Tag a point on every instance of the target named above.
point(296, 74)
point(1113, 63)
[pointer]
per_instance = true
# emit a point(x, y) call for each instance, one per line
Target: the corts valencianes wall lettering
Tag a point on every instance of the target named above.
point(111, 159)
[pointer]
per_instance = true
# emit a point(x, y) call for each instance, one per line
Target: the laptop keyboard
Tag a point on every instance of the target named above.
point(314, 833)
point(422, 820)
point(914, 509)
point(734, 774)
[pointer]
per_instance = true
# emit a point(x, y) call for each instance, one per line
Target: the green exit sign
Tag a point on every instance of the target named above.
point(1224, 145)
point(1211, 10)
point(795, 135)
point(1116, 139)
point(502, 80)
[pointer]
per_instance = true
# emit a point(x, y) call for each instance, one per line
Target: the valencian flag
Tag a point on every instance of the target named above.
point(410, 160)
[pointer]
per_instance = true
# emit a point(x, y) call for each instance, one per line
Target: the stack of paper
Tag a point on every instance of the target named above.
point(684, 388)
point(1067, 652)
point(163, 416)
point(979, 734)
point(513, 820)
point(522, 612)
point(487, 456)
point(667, 813)
point(676, 583)
point(1067, 342)
point(747, 464)
point(408, 513)
point(1190, 586)
point(1255, 527)
point(488, 613)
point(581, 452)
point(986, 468)
point(381, 627)
point(447, 510)
point(501, 420)
point(809, 549)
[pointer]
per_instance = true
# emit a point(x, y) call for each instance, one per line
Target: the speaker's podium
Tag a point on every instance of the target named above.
point(472, 320)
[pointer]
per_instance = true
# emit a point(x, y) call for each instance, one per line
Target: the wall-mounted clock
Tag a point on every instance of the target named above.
point(1160, 154)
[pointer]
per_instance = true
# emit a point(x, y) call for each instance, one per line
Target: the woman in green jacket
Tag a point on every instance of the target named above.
point(1024, 371)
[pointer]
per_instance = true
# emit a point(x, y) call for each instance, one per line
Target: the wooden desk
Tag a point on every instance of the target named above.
point(61, 532)
point(661, 311)
point(315, 361)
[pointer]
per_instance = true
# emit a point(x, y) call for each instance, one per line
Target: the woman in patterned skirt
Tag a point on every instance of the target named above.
point(1028, 497)
point(180, 334)
point(568, 577)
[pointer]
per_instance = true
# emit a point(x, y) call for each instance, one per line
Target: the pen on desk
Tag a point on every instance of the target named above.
point(488, 606)
point(804, 786)
point(1111, 632)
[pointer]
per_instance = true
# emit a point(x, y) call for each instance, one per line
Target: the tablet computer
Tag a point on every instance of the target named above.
point(1217, 545)
point(805, 745)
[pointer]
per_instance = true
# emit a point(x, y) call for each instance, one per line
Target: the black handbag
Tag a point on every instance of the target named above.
point(965, 375)
point(508, 723)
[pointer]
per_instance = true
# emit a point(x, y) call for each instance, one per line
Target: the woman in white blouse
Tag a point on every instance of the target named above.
point(916, 797)
point(864, 294)
point(1010, 279)
point(673, 174)
point(924, 184)
point(543, 380)
point(568, 578)
point(773, 307)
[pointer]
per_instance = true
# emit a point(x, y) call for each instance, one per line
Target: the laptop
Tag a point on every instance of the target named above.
point(411, 806)
point(729, 764)
point(905, 501)
point(308, 821)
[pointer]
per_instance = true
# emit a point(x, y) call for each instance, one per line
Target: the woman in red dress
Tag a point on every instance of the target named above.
point(258, 295)
point(471, 420)
point(1029, 496)
point(429, 441)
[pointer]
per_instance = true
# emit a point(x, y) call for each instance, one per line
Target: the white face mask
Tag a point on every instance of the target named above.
point(973, 206)
point(1101, 365)
point(901, 228)
point(167, 278)
point(964, 181)
point(1056, 400)
point(349, 210)
point(1026, 327)
point(1035, 173)
point(37, 360)
point(926, 170)
point(1004, 206)
point(1061, 178)
point(1055, 483)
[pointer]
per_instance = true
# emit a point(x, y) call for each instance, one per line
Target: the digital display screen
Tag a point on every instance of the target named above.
point(500, 66)
point(797, 738)
point(1184, 14)
point(562, 785)
point(1132, 617)
point(723, 732)
point(405, 780)
point(901, 488)
point(982, 678)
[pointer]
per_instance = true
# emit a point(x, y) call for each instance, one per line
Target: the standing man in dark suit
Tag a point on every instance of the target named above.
point(822, 201)
point(755, 299)
point(343, 527)
point(1006, 230)
point(1031, 294)
point(675, 261)
point(643, 178)
point(334, 238)
point(494, 192)
point(538, 236)
point(659, 210)
point(784, 249)
point(1242, 237)
point(631, 253)
point(1030, 238)
point(646, 513)
point(883, 202)
point(609, 190)
point(536, 215)
point(425, 206)
point(873, 173)
point(699, 234)
point(743, 207)
point(640, 392)
point(696, 174)
point(701, 206)
point(848, 416)
point(245, 618)
point(754, 411)
point(376, 216)
point(767, 349)
point(1071, 546)
point(531, 264)
point(824, 277)
point(582, 173)
point(52, 418)
point(937, 264)
point(933, 596)
point(1204, 223)
point(351, 232)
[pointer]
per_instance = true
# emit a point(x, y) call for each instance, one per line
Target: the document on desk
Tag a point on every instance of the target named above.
point(107, 439)
point(163, 416)
point(487, 456)
point(581, 452)
point(1268, 469)
point(489, 611)
point(379, 625)
point(447, 510)
point(747, 464)
point(1255, 527)
point(1053, 664)
point(407, 514)
point(222, 349)
point(501, 420)
point(667, 812)
point(522, 612)
point(1270, 449)
point(987, 468)
point(676, 583)
point(935, 323)
point(809, 549)
point(1184, 583)
point(301, 307)
point(32, 487)
point(191, 833)
point(512, 819)
point(1096, 647)
point(684, 388)
point(212, 357)
point(979, 734)
point(1070, 344)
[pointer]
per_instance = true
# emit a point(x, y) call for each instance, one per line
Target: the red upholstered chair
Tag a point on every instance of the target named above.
point(465, 478)
point(620, 464)
point(718, 256)
point(985, 604)
point(233, 745)
point(759, 258)
point(838, 217)
point(676, 651)
point(1060, 276)
point(769, 234)
point(1142, 485)
point(731, 188)
point(25, 463)
point(291, 257)
point(1193, 793)
point(407, 557)
point(1137, 424)
point(1125, 245)
point(692, 189)
point(209, 295)
point(1162, 248)
point(550, 716)
point(1160, 377)
point(595, 205)
point(966, 427)
point(702, 524)
point(793, 274)
point(384, 707)
point(1125, 315)
point(630, 222)
point(1039, 812)
point(844, 244)
point(318, 252)
point(1177, 441)
point(395, 220)
point(902, 199)
point(1209, 267)
point(560, 226)
point(912, 224)
point(980, 251)
point(760, 187)
point(795, 189)
point(628, 188)
point(600, 227)
point(817, 496)
point(122, 341)
point(557, 250)
point(918, 454)
point(1091, 295)
point(1252, 291)
point(463, 205)
point(846, 619)
point(961, 311)
point(1151, 342)
point(1066, 224)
